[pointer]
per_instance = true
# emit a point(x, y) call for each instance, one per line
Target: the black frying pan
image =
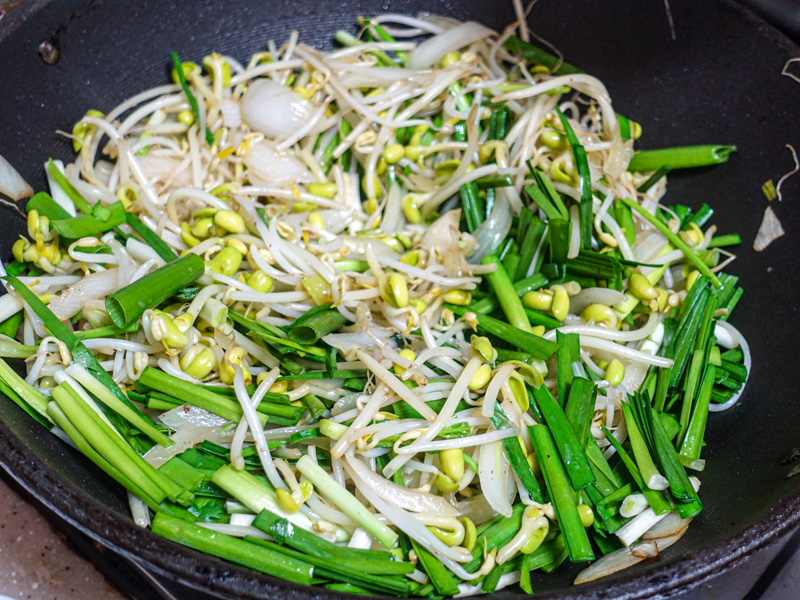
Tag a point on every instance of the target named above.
point(718, 82)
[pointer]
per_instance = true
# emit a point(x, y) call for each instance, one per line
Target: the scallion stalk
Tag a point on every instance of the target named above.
point(683, 157)
point(584, 181)
point(348, 503)
point(150, 238)
point(561, 495)
point(128, 304)
point(528, 342)
point(235, 550)
point(504, 291)
point(675, 240)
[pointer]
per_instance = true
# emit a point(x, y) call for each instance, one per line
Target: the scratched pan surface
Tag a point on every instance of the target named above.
point(717, 83)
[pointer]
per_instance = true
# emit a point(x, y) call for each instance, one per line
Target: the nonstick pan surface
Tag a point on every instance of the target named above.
point(718, 81)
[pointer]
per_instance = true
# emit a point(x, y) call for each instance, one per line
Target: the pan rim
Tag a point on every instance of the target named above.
point(101, 525)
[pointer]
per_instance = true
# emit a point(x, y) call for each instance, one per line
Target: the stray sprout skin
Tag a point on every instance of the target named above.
point(401, 318)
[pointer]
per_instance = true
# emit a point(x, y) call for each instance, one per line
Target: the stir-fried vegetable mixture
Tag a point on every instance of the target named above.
point(404, 318)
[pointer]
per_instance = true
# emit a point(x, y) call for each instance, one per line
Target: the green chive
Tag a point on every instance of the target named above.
point(584, 181)
point(189, 95)
point(561, 495)
point(653, 179)
point(504, 291)
point(683, 157)
point(569, 446)
point(150, 238)
point(235, 550)
point(722, 241)
point(675, 240)
point(80, 202)
point(528, 342)
point(516, 456)
point(536, 56)
point(128, 304)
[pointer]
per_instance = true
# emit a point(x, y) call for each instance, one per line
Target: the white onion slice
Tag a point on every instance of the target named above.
point(769, 231)
point(747, 361)
point(401, 496)
point(11, 182)
point(267, 165)
point(431, 51)
point(184, 439)
point(275, 110)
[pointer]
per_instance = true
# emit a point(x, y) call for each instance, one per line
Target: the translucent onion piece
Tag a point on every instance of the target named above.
point(401, 496)
point(11, 182)
point(494, 478)
point(186, 415)
point(769, 231)
point(491, 233)
point(267, 165)
point(431, 51)
point(622, 559)
point(184, 439)
point(97, 285)
point(274, 109)
point(669, 526)
point(747, 361)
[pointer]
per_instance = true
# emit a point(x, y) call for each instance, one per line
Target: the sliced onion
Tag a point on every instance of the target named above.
point(476, 509)
point(157, 169)
point(747, 361)
point(669, 526)
point(231, 113)
point(275, 110)
point(11, 182)
point(494, 478)
point(267, 165)
point(491, 233)
point(184, 439)
point(97, 285)
point(186, 416)
point(626, 557)
point(614, 562)
point(769, 231)
point(431, 51)
point(393, 220)
point(401, 496)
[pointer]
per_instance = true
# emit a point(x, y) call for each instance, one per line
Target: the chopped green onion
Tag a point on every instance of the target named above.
point(584, 181)
point(128, 304)
point(528, 342)
point(189, 95)
point(348, 503)
point(80, 202)
point(505, 293)
point(683, 157)
point(561, 495)
point(258, 558)
point(150, 238)
point(675, 240)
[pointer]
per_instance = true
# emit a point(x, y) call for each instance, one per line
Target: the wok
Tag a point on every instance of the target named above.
point(717, 82)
